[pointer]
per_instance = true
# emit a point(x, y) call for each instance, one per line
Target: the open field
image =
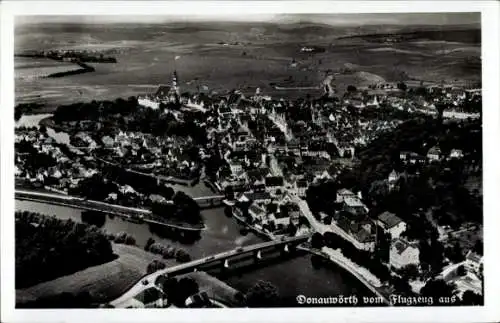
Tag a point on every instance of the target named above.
point(224, 56)
point(104, 282)
point(32, 68)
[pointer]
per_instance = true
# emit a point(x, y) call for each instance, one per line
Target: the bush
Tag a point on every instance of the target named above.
point(262, 294)
point(149, 243)
point(182, 256)
point(154, 266)
point(125, 238)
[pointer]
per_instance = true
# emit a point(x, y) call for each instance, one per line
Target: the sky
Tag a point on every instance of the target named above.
point(331, 19)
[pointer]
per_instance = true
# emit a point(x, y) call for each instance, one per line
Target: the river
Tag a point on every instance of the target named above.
point(292, 277)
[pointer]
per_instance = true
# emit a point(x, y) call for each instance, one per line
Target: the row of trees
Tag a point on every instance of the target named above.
point(167, 251)
point(154, 266)
point(47, 247)
point(123, 238)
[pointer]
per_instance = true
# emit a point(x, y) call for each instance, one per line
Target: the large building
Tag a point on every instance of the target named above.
point(164, 94)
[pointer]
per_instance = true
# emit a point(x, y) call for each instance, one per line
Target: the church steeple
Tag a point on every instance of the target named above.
point(174, 93)
point(175, 85)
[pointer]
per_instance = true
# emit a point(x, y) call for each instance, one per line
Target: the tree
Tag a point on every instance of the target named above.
point(478, 247)
point(185, 287)
point(402, 86)
point(437, 288)
point(149, 243)
point(229, 192)
point(239, 297)
point(154, 266)
point(454, 253)
point(409, 272)
point(327, 220)
point(182, 256)
point(383, 245)
point(317, 241)
point(43, 129)
point(461, 270)
point(471, 298)
point(170, 287)
point(130, 240)
point(262, 294)
point(401, 285)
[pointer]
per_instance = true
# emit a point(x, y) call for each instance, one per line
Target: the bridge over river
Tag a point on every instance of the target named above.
point(224, 259)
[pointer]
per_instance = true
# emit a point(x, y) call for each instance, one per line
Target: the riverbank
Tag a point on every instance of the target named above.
point(337, 258)
point(128, 213)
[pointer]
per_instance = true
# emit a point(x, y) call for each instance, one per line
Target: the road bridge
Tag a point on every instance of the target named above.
point(224, 260)
point(210, 201)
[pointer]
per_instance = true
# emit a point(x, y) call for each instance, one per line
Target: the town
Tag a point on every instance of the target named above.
point(383, 178)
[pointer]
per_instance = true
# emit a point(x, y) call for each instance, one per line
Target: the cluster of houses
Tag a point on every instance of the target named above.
point(66, 174)
point(265, 212)
point(144, 152)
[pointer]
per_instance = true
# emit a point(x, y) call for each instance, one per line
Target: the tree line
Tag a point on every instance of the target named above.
point(47, 248)
point(128, 115)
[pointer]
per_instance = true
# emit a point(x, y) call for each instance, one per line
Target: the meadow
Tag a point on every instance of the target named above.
point(104, 282)
point(32, 68)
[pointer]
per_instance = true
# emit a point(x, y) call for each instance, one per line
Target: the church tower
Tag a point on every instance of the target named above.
point(175, 84)
point(174, 93)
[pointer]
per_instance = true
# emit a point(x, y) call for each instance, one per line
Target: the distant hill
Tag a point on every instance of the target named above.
point(472, 35)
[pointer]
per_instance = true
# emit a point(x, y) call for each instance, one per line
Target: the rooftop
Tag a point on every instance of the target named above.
point(401, 245)
point(472, 256)
point(389, 219)
point(254, 208)
point(274, 181)
point(353, 202)
point(254, 196)
point(301, 183)
point(344, 191)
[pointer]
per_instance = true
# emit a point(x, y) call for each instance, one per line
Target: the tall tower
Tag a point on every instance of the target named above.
point(174, 93)
point(175, 85)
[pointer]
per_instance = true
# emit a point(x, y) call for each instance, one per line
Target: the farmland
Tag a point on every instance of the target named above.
point(224, 56)
point(32, 68)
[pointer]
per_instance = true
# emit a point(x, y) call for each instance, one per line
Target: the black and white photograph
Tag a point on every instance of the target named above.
point(261, 160)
